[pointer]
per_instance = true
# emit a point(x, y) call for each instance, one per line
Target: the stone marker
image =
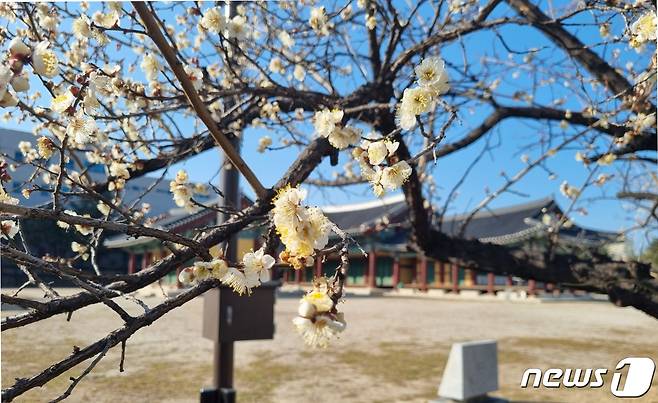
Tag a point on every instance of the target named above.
point(470, 373)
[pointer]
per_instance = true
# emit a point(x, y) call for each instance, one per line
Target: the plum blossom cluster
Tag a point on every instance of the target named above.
point(302, 229)
point(214, 21)
point(319, 21)
point(371, 154)
point(643, 30)
point(328, 124)
point(569, 191)
point(432, 80)
point(183, 190)
point(318, 321)
point(636, 124)
point(81, 228)
point(254, 270)
point(12, 75)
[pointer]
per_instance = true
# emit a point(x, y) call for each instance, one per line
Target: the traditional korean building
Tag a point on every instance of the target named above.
point(381, 229)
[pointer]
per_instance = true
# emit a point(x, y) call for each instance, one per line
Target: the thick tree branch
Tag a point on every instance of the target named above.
point(598, 67)
point(199, 107)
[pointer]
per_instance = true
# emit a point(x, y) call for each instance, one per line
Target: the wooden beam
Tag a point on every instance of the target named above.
point(455, 278)
point(396, 271)
point(371, 280)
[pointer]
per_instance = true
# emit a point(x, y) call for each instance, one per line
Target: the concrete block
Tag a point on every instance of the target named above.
point(471, 371)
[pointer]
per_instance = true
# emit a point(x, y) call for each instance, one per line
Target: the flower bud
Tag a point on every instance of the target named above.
point(8, 100)
point(336, 325)
point(18, 49)
point(306, 309)
point(20, 82)
point(186, 276)
point(16, 65)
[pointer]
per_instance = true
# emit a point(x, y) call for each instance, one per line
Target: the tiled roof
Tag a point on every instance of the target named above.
point(353, 217)
point(499, 225)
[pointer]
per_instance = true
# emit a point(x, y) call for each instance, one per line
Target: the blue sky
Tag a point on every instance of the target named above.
point(510, 137)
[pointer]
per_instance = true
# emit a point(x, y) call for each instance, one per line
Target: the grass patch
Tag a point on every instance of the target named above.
point(398, 365)
point(257, 381)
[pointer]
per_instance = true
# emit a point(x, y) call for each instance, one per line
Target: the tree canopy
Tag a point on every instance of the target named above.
point(390, 88)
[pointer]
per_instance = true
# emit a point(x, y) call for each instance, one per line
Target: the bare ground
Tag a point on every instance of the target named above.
point(393, 350)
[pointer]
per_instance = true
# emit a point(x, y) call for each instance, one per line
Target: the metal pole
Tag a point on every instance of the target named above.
point(223, 365)
point(222, 388)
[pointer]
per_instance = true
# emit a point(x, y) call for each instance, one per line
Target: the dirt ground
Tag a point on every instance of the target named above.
point(393, 350)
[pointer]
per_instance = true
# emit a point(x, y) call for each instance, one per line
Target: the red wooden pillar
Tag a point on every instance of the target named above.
point(508, 281)
point(286, 273)
point(442, 273)
point(455, 278)
point(396, 271)
point(474, 277)
point(146, 260)
point(132, 261)
point(318, 267)
point(298, 276)
point(372, 265)
point(422, 273)
point(532, 285)
point(490, 283)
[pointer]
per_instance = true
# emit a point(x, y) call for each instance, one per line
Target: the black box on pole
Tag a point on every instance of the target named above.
point(228, 316)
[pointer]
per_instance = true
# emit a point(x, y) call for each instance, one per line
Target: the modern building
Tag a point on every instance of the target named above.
point(381, 229)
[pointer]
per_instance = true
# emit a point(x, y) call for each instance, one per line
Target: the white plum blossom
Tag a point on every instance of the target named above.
point(186, 276)
point(81, 128)
point(237, 28)
point(80, 249)
point(433, 81)
point(394, 176)
point(344, 137)
point(17, 48)
point(62, 102)
point(241, 282)
point(371, 22)
point(302, 229)
point(44, 60)
point(213, 20)
point(325, 121)
point(195, 75)
point(328, 124)
point(432, 75)
point(320, 331)
point(120, 173)
point(263, 143)
point(319, 21)
point(182, 190)
point(151, 67)
point(644, 29)
point(259, 262)
point(569, 191)
point(285, 39)
point(81, 27)
point(417, 100)
point(318, 321)
point(299, 73)
point(20, 82)
point(103, 208)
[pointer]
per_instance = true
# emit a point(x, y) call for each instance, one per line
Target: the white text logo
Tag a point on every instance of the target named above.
point(637, 380)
